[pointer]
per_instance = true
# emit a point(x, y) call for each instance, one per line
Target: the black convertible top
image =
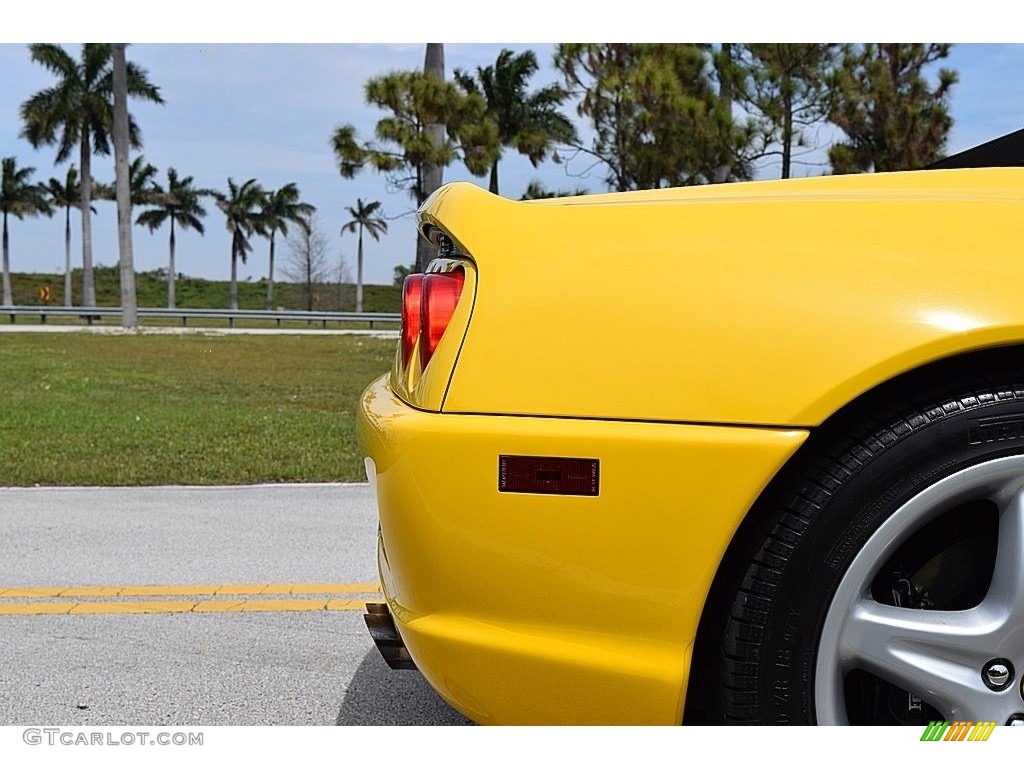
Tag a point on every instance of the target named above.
point(1005, 152)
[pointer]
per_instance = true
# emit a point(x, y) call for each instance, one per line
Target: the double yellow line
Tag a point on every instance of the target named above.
point(193, 598)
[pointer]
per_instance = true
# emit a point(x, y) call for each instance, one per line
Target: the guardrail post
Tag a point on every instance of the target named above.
point(95, 315)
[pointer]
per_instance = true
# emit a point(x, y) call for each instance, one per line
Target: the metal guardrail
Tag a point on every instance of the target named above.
point(91, 314)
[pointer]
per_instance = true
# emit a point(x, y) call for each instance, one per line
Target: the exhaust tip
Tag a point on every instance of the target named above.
point(385, 636)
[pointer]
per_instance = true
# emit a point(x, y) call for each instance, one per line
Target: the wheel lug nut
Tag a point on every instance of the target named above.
point(997, 674)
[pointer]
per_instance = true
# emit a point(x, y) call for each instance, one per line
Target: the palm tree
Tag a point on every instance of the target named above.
point(66, 194)
point(22, 198)
point(530, 122)
point(78, 112)
point(433, 175)
point(241, 206)
point(140, 184)
point(280, 207)
point(122, 181)
point(137, 184)
point(179, 204)
point(363, 219)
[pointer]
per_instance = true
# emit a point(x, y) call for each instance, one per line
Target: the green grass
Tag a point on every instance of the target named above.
point(153, 410)
point(197, 293)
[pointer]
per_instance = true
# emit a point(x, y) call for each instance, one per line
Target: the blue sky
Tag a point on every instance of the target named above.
point(266, 111)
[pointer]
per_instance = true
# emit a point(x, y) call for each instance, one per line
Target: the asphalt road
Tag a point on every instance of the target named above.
point(248, 600)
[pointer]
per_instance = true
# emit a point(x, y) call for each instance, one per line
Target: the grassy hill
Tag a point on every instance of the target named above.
point(197, 293)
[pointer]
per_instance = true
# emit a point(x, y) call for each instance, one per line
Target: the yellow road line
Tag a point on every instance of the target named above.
point(347, 605)
point(218, 606)
point(179, 606)
point(232, 598)
point(80, 592)
point(35, 608)
point(163, 606)
point(191, 590)
point(30, 592)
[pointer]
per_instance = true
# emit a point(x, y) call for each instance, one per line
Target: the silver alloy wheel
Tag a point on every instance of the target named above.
point(939, 656)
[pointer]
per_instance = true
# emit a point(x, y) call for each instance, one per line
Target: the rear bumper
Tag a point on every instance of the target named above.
point(527, 608)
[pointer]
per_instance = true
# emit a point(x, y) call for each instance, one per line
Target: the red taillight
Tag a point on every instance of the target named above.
point(439, 294)
point(411, 291)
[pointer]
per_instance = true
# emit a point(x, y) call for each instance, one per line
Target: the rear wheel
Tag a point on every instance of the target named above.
point(884, 583)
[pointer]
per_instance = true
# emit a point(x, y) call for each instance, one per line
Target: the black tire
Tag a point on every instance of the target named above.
point(757, 660)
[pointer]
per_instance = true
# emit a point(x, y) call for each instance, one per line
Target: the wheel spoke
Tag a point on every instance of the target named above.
point(1006, 593)
point(936, 655)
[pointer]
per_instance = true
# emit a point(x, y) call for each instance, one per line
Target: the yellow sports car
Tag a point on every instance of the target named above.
point(747, 453)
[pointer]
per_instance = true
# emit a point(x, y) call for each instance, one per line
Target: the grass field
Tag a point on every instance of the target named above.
point(84, 409)
point(197, 293)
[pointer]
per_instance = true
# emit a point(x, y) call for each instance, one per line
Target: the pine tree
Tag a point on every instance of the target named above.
point(894, 119)
point(787, 86)
point(407, 148)
point(657, 119)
